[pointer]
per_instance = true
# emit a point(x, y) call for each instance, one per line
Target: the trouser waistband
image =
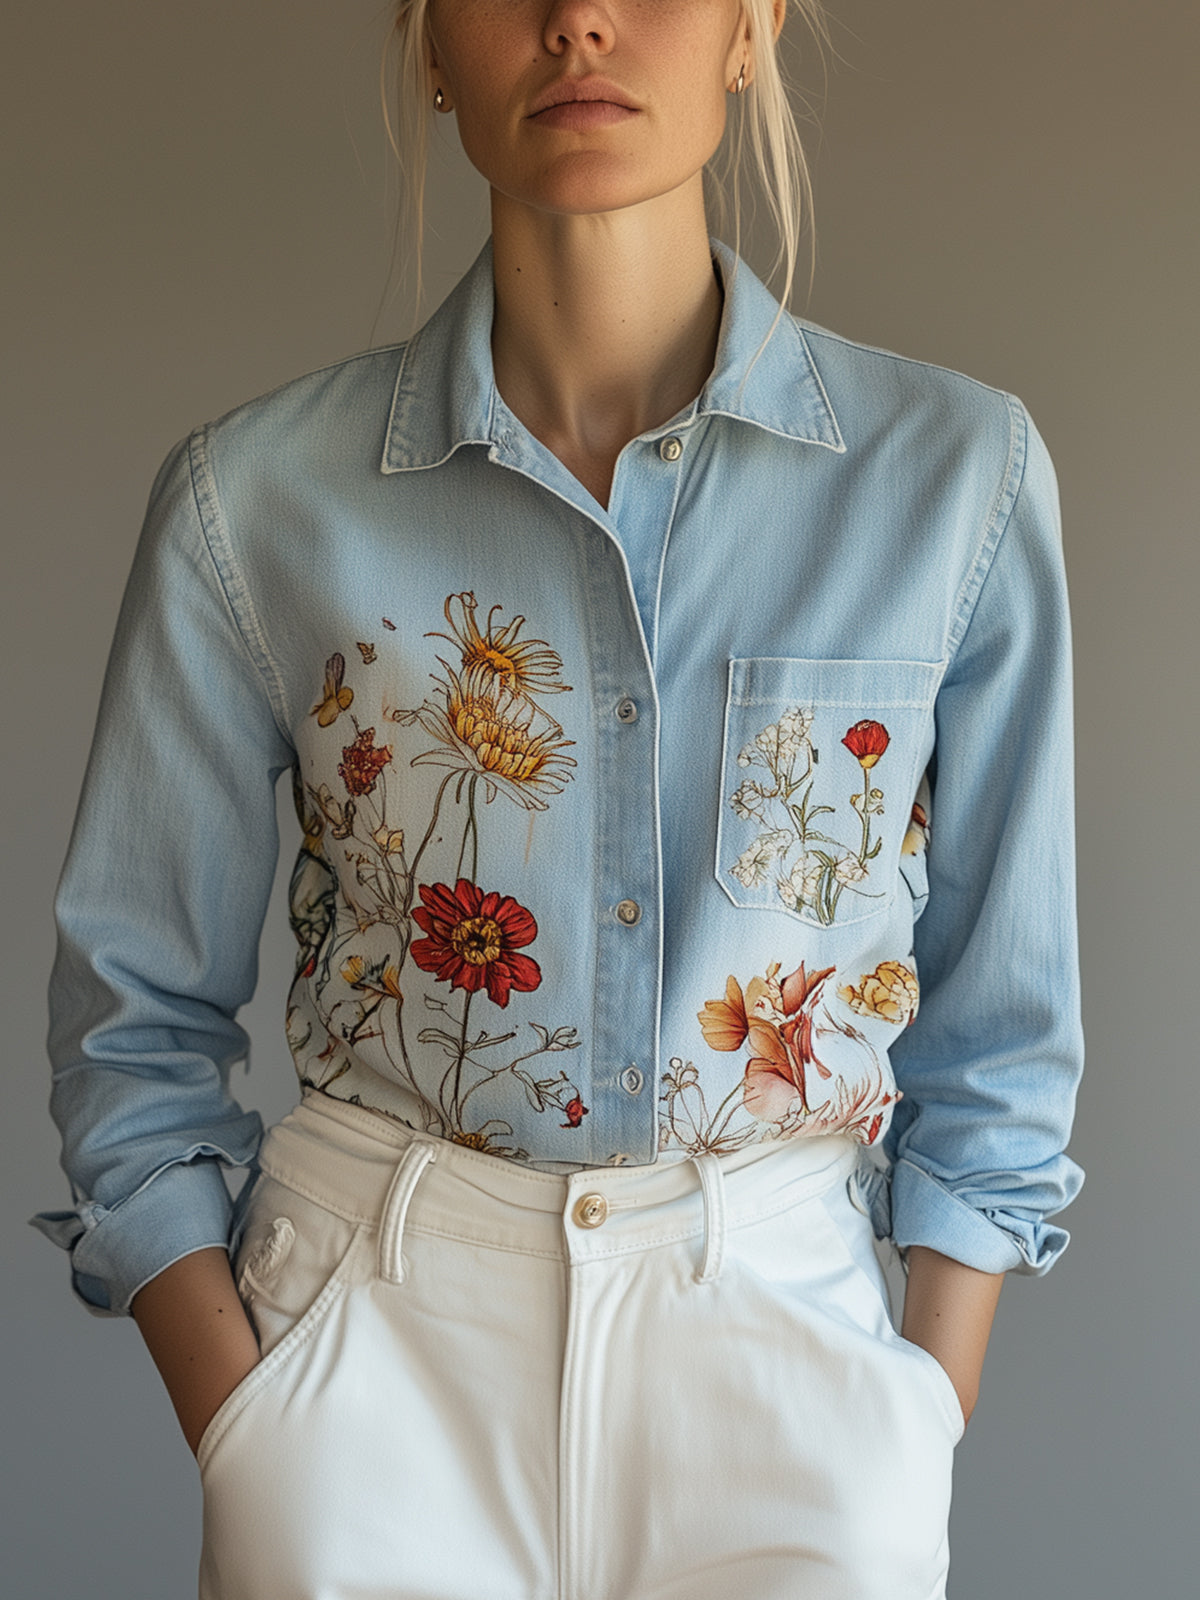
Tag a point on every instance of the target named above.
point(368, 1169)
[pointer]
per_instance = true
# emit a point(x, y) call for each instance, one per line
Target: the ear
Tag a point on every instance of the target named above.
point(433, 68)
point(431, 55)
point(778, 15)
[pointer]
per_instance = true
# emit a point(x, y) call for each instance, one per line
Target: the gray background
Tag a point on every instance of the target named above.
point(196, 208)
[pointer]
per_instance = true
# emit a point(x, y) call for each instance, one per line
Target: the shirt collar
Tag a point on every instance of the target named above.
point(445, 394)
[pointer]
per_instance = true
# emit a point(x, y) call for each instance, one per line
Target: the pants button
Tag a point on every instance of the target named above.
point(591, 1211)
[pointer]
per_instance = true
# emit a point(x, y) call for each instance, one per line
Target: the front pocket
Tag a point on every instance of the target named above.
point(281, 1355)
point(290, 1247)
point(851, 1231)
point(942, 1382)
point(819, 773)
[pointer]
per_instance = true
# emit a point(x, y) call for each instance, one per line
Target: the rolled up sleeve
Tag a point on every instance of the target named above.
point(989, 1068)
point(160, 907)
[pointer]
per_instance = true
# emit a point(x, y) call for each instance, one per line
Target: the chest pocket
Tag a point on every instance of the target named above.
point(820, 767)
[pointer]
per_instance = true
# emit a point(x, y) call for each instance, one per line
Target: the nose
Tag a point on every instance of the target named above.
point(580, 25)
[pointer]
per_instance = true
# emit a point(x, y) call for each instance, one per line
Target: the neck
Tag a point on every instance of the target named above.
point(604, 325)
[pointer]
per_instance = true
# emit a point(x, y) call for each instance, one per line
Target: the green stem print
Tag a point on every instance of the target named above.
point(457, 1065)
point(811, 869)
point(471, 832)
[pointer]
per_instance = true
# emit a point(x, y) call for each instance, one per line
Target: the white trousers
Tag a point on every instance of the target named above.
point(481, 1382)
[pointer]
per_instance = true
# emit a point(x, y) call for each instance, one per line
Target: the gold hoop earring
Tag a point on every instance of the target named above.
point(740, 85)
point(439, 100)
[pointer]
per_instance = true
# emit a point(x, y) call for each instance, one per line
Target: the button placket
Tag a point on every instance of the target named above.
point(628, 878)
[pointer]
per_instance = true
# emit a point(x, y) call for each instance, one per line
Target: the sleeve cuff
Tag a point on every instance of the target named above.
point(183, 1208)
point(915, 1208)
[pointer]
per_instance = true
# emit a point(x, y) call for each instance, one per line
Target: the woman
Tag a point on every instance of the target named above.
point(664, 684)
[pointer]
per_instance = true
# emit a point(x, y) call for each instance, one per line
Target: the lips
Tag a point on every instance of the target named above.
point(582, 92)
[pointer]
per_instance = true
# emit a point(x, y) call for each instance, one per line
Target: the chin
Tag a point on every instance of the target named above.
point(587, 185)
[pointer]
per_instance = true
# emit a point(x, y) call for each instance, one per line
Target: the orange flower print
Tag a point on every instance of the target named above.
point(362, 763)
point(866, 742)
point(378, 978)
point(576, 1111)
point(485, 713)
point(775, 1083)
point(498, 654)
point(497, 735)
point(890, 992)
point(779, 1021)
point(775, 1020)
point(723, 1022)
point(727, 1024)
point(474, 940)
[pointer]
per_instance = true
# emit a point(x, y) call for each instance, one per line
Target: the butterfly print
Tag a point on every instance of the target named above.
point(336, 696)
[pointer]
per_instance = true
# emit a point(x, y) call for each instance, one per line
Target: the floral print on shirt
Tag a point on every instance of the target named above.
point(791, 1084)
point(812, 870)
point(490, 732)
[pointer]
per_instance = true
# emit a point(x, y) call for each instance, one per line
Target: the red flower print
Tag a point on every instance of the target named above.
point(866, 742)
point(576, 1111)
point(362, 763)
point(474, 940)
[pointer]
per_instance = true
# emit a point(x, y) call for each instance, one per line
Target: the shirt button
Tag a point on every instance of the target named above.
point(627, 710)
point(629, 912)
point(632, 1080)
point(591, 1211)
point(671, 448)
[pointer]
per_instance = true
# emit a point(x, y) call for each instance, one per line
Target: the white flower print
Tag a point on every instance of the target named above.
point(777, 839)
point(849, 870)
point(752, 866)
point(794, 728)
point(748, 800)
point(768, 742)
point(813, 868)
point(802, 882)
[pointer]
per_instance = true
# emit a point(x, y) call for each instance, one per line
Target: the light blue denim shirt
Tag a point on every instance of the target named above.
point(626, 833)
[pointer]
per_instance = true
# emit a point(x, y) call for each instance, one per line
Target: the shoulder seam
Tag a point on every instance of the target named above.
point(814, 330)
point(999, 516)
point(229, 577)
point(397, 349)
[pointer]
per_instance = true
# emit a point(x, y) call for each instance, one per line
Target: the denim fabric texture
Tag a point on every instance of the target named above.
point(740, 809)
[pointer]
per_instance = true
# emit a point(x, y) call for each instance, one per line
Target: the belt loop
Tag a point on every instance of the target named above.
point(712, 1185)
point(395, 1208)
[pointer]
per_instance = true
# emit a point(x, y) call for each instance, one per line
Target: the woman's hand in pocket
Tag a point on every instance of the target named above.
point(199, 1335)
point(948, 1311)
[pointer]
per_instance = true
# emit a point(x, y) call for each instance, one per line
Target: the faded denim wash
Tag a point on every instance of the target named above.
point(626, 833)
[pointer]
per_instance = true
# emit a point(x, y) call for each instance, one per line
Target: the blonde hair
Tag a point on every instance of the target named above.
point(761, 132)
point(761, 135)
